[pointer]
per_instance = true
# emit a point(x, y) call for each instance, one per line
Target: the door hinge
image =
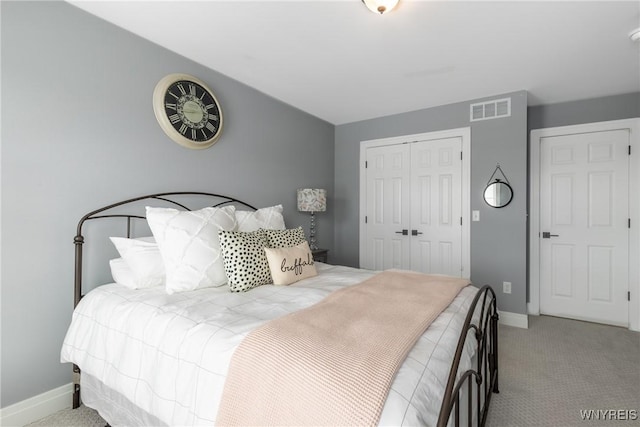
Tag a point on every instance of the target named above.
point(628, 296)
point(366, 164)
point(365, 219)
point(461, 155)
point(629, 150)
point(460, 220)
point(629, 223)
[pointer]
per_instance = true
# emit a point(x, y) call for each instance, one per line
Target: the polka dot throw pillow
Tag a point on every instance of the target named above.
point(285, 238)
point(245, 261)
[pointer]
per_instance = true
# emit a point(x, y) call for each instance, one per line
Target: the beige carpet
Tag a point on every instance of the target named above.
point(548, 374)
point(81, 417)
point(558, 367)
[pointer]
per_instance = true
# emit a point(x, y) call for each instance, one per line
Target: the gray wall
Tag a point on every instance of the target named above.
point(615, 107)
point(499, 240)
point(78, 132)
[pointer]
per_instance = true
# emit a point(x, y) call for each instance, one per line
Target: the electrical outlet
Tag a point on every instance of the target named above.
point(506, 287)
point(475, 215)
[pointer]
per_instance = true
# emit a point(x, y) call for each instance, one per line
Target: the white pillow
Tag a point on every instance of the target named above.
point(288, 265)
point(122, 274)
point(189, 245)
point(270, 218)
point(143, 258)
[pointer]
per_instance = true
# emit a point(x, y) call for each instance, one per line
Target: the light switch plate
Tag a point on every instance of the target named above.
point(506, 287)
point(475, 215)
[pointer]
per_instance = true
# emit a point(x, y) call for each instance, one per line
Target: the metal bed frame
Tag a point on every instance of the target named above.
point(484, 324)
point(485, 375)
point(103, 212)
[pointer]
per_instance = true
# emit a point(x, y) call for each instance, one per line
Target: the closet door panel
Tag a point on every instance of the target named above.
point(388, 212)
point(436, 206)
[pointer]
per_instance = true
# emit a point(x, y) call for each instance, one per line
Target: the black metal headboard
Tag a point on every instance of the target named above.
point(216, 200)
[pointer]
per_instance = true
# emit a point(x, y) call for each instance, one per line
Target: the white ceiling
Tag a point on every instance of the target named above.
point(338, 61)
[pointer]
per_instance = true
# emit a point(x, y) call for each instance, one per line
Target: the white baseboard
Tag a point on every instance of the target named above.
point(514, 319)
point(37, 407)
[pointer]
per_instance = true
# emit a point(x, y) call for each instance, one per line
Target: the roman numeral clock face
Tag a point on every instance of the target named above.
point(187, 111)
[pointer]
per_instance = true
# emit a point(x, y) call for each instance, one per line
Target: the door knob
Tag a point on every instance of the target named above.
point(548, 235)
point(403, 232)
point(415, 232)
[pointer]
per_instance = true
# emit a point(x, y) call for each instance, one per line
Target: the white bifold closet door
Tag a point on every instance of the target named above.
point(414, 206)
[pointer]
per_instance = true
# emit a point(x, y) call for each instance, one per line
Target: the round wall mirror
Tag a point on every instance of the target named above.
point(498, 194)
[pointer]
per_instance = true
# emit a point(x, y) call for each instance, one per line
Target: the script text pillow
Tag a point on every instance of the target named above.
point(288, 265)
point(285, 238)
point(189, 245)
point(262, 218)
point(245, 262)
point(143, 258)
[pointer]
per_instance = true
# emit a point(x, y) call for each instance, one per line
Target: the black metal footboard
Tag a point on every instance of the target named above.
point(483, 321)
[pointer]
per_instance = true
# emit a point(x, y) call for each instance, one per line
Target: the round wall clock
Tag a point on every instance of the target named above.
point(187, 110)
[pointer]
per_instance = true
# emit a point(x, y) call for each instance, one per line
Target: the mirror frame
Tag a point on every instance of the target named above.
point(497, 181)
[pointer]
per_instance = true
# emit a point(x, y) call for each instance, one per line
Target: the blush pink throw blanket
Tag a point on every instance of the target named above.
point(333, 363)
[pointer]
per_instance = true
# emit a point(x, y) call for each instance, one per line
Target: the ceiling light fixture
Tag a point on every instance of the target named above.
point(635, 35)
point(380, 6)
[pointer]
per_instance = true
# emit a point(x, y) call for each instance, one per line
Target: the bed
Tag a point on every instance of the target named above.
point(149, 357)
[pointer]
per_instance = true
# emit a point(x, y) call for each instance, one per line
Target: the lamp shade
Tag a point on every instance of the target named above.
point(312, 200)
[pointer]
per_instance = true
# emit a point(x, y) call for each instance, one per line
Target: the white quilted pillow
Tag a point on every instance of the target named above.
point(189, 245)
point(269, 218)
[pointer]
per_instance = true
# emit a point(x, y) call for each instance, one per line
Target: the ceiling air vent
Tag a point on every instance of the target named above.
point(495, 109)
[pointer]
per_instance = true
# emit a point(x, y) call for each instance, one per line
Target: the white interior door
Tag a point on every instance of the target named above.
point(414, 207)
point(436, 206)
point(387, 207)
point(584, 230)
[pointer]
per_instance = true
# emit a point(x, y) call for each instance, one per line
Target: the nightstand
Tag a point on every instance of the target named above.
point(320, 255)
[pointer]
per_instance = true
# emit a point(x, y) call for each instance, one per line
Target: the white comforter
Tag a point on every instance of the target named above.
point(169, 354)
